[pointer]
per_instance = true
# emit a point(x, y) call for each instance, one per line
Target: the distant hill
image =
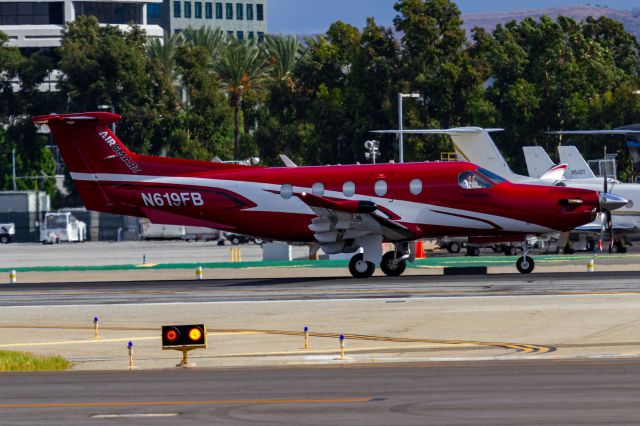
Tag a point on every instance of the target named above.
point(630, 18)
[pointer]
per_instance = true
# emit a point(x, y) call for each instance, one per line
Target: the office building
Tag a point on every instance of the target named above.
point(31, 24)
point(240, 18)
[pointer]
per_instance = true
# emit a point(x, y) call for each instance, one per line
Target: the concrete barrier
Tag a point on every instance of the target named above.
point(276, 251)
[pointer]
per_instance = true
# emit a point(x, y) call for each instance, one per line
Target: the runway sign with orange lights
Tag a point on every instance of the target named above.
point(184, 336)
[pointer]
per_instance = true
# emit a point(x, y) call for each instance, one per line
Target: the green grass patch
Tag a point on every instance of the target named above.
point(25, 361)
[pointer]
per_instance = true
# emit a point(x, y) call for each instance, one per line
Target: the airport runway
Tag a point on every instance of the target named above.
point(318, 288)
point(464, 393)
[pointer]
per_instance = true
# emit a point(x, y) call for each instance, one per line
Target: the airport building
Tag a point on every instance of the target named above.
point(39, 24)
point(241, 18)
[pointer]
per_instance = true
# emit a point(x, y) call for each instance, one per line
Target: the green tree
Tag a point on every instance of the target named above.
point(436, 63)
point(103, 65)
point(241, 69)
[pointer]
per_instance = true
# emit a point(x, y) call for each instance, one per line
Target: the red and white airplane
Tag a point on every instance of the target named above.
point(343, 208)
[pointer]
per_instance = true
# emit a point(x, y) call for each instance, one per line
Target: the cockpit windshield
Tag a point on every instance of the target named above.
point(492, 176)
point(473, 180)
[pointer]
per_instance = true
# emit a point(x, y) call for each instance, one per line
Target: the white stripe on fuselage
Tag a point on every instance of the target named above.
point(267, 198)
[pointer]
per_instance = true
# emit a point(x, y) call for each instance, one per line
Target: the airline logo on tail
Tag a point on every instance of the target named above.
point(132, 165)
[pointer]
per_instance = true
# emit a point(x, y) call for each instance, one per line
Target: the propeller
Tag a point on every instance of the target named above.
point(606, 222)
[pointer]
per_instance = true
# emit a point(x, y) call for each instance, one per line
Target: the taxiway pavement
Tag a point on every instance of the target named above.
point(470, 393)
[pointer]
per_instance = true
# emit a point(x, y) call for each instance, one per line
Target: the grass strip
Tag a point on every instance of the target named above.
point(26, 361)
point(433, 262)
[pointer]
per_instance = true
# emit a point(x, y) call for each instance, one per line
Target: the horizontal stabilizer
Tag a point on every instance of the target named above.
point(555, 173)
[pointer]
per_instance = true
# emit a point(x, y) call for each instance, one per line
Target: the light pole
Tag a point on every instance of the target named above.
point(400, 138)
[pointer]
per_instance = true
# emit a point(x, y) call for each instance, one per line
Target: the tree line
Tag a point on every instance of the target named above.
point(201, 94)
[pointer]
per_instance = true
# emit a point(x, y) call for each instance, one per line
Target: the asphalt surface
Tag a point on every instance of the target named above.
point(317, 288)
point(465, 393)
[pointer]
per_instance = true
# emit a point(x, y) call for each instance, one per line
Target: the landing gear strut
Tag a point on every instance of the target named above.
point(360, 268)
point(525, 264)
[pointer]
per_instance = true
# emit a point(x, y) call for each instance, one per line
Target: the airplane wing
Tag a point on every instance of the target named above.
point(596, 227)
point(340, 223)
point(595, 132)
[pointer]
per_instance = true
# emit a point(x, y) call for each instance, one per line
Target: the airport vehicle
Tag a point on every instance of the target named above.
point(344, 208)
point(159, 231)
point(7, 231)
point(61, 227)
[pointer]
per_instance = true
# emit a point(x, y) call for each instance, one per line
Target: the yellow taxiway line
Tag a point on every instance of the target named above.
point(182, 403)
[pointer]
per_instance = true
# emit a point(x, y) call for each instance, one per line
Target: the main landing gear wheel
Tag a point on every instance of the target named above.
point(525, 264)
point(392, 267)
point(360, 268)
point(453, 247)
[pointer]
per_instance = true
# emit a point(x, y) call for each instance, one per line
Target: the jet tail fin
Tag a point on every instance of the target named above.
point(88, 145)
point(538, 161)
point(577, 167)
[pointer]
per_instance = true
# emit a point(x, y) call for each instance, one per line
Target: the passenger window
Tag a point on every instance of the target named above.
point(286, 191)
point(415, 186)
point(471, 180)
point(380, 188)
point(317, 189)
point(348, 189)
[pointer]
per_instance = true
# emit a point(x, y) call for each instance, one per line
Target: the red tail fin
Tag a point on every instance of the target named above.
point(88, 145)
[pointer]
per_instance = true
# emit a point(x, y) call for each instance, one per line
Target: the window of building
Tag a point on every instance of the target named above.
point(110, 13)
point(230, 33)
point(153, 10)
point(239, 11)
point(218, 10)
point(317, 188)
point(208, 10)
point(251, 35)
point(187, 9)
point(229, 10)
point(348, 189)
point(31, 13)
point(286, 191)
point(415, 186)
point(260, 36)
point(240, 35)
point(380, 188)
point(249, 12)
point(260, 12)
point(176, 9)
point(198, 7)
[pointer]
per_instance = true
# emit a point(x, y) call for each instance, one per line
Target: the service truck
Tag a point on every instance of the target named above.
point(62, 227)
point(7, 231)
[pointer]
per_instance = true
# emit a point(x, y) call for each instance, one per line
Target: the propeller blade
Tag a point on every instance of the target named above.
point(610, 228)
point(603, 225)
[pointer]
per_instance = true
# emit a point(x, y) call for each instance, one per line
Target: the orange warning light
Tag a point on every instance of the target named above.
point(195, 334)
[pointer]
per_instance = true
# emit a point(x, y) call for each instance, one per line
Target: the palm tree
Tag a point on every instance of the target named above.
point(164, 51)
point(205, 37)
point(284, 53)
point(240, 67)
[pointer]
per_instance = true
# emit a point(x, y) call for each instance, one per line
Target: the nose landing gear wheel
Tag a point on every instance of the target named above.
point(392, 267)
point(525, 264)
point(360, 268)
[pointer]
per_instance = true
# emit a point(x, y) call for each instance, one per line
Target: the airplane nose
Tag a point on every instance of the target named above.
point(611, 201)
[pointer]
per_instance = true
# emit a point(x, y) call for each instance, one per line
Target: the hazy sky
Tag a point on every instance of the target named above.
point(315, 16)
